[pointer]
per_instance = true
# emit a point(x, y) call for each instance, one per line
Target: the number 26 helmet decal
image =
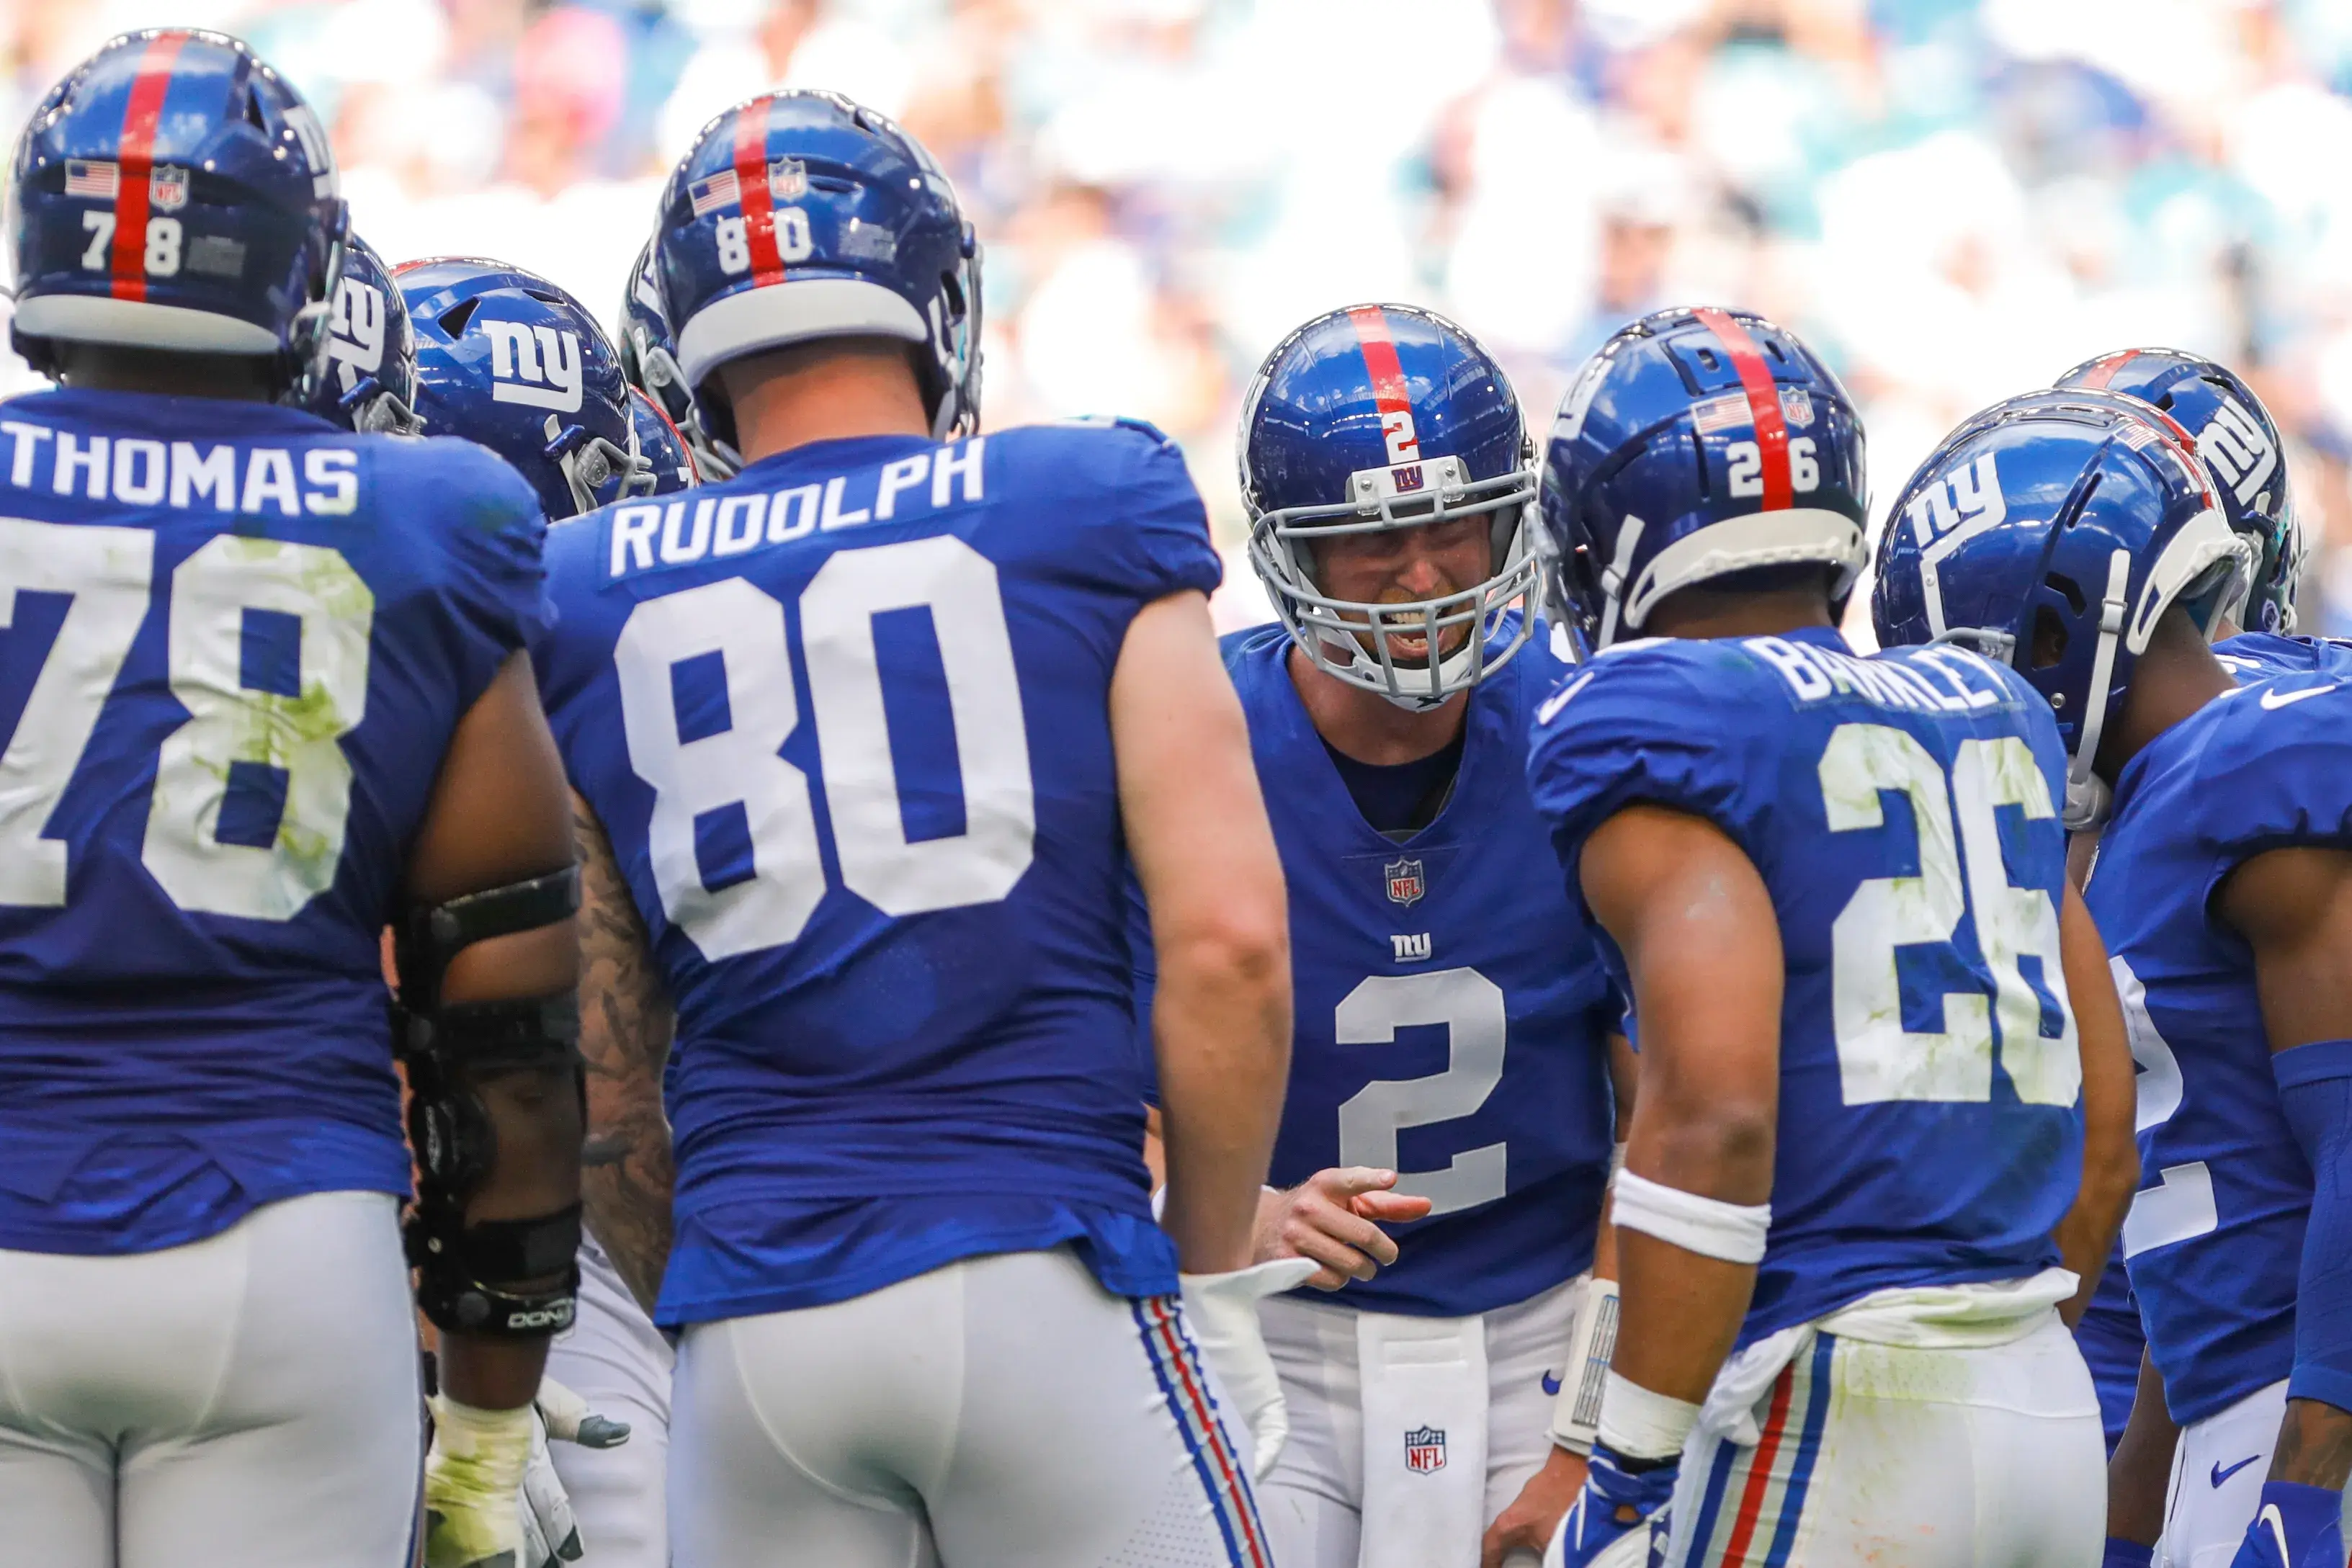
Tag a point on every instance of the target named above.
point(1698, 443)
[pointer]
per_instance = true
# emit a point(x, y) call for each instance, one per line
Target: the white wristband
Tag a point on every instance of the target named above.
point(1642, 1425)
point(1576, 1412)
point(1707, 1226)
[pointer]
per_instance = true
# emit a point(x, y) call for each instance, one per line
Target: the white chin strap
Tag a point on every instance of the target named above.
point(2087, 796)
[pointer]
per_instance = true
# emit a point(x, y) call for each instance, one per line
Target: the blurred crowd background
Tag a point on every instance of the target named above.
point(1952, 199)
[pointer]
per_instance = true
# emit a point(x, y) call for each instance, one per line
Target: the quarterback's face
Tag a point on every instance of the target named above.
point(1407, 566)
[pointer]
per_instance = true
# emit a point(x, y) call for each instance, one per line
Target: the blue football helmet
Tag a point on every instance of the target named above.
point(1698, 443)
point(662, 447)
point(649, 360)
point(801, 215)
point(506, 359)
point(371, 384)
point(175, 193)
point(2239, 441)
point(1370, 419)
point(2051, 535)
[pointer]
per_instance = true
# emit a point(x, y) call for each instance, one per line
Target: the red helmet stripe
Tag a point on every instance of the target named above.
point(2104, 371)
point(1763, 403)
point(1389, 395)
point(136, 161)
point(751, 191)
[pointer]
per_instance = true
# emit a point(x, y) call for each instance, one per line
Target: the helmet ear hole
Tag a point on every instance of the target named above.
point(2068, 590)
point(2049, 637)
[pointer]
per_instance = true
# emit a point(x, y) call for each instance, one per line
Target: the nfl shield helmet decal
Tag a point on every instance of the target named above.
point(1424, 1450)
point(167, 188)
point(1405, 884)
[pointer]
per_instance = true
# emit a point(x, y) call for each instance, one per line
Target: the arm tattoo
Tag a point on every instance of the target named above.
point(625, 1022)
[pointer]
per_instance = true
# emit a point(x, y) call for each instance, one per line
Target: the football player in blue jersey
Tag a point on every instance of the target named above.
point(1447, 1137)
point(592, 435)
point(373, 351)
point(863, 736)
point(268, 695)
point(1870, 1123)
point(2222, 886)
point(649, 358)
point(2239, 442)
point(663, 449)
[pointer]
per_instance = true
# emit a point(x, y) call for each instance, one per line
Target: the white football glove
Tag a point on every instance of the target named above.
point(473, 1474)
point(550, 1533)
point(466, 1494)
point(1222, 1311)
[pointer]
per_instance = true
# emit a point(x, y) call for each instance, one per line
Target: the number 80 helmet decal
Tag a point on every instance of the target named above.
point(1698, 443)
point(1370, 421)
point(175, 193)
point(799, 216)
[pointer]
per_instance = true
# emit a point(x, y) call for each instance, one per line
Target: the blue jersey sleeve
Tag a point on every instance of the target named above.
point(1673, 724)
point(497, 536)
point(1162, 543)
point(2271, 773)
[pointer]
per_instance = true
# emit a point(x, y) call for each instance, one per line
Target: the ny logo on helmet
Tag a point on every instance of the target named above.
point(1969, 496)
point(536, 365)
point(2234, 447)
point(356, 339)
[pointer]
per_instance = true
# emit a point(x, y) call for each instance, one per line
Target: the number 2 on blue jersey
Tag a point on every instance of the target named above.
point(219, 595)
point(744, 626)
point(1471, 1007)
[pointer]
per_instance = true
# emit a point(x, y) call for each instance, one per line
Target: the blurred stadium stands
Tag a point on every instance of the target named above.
point(1954, 200)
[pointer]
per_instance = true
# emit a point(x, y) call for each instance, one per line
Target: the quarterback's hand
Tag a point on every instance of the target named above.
point(1618, 1520)
point(551, 1534)
point(2296, 1526)
point(1222, 1311)
point(1329, 1219)
point(1533, 1518)
point(473, 1474)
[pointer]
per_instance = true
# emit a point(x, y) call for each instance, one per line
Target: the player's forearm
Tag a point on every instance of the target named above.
point(2140, 1473)
point(1682, 1310)
point(1680, 1314)
point(2086, 1236)
point(1222, 1025)
point(626, 1023)
point(490, 1374)
point(2314, 1446)
point(626, 1181)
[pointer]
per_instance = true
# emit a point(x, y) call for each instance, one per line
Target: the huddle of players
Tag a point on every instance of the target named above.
point(922, 1304)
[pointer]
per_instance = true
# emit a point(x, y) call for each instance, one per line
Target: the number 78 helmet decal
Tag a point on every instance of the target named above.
point(1698, 443)
point(2053, 532)
point(1370, 422)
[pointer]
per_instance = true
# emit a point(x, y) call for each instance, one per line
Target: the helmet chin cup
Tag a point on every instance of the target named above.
point(2087, 799)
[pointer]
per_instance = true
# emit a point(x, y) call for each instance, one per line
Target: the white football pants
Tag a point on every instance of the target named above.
point(1313, 1501)
point(247, 1401)
point(2218, 1466)
point(1000, 1412)
point(616, 1359)
point(1895, 1457)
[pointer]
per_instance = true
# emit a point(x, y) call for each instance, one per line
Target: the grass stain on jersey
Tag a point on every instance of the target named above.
point(300, 733)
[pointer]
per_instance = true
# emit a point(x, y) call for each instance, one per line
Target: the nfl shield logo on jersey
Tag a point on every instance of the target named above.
point(167, 188)
point(1405, 886)
point(1424, 1450)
